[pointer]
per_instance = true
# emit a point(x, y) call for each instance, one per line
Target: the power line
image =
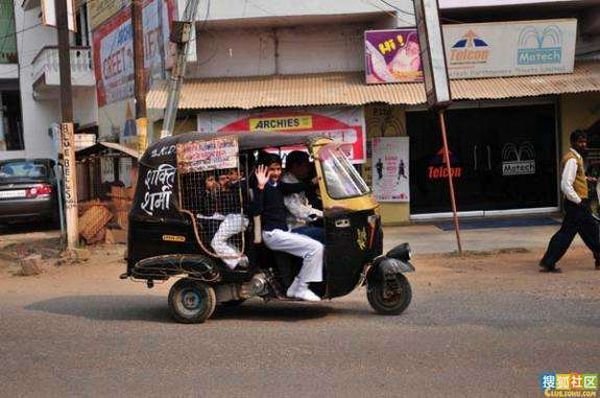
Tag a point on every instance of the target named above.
point(398, 8)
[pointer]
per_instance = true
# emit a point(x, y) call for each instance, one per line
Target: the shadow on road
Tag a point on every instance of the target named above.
point(155, 309)
point(282, 312)
point(107, 308)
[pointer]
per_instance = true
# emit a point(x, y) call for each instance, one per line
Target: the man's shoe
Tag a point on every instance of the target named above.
point(551, 270)
point(291, 292)
point(304, 293)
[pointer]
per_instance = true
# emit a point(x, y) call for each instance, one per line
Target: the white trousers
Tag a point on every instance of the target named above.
point(298, 245)
point(232, 225)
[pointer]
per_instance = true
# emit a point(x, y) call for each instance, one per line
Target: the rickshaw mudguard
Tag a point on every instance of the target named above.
point(164, 266)
point(386, 267)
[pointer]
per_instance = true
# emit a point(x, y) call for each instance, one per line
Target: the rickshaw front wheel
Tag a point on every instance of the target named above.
point(191, 301)
point(391, 297)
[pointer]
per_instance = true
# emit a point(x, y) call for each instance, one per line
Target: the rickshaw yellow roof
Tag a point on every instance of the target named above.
point(349, 88)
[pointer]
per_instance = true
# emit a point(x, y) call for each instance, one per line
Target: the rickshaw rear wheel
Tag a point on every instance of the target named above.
point(386, 301)
point(191, 301)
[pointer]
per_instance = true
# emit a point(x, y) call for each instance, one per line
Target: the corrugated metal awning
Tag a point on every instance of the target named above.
point(349, 88)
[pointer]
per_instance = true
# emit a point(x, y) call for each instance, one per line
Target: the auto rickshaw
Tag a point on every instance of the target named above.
point(170, 236)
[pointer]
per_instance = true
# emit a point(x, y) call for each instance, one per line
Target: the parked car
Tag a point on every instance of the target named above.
point(28, 191)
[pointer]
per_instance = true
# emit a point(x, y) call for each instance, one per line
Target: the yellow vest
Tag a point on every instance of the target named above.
point(580, 183)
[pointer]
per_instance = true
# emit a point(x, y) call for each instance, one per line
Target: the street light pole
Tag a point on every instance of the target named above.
point(66, 127)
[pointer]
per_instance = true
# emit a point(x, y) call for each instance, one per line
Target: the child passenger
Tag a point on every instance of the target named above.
point(221, 202)
point(234, 222)
point(269, 204)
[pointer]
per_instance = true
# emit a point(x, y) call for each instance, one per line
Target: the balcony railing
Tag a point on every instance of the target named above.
point(46, 68)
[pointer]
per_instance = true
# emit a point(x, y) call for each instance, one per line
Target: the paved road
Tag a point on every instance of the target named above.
point(480, 326)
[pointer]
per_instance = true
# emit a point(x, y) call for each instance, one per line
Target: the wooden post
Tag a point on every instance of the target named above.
point(450, 183)
point(66, 127)
point(141, 121)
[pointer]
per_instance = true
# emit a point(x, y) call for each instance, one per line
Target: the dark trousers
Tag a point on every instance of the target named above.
point(316, 233)
point(578, 220)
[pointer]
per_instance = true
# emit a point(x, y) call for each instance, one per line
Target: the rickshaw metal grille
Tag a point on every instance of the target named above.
point(215, 200)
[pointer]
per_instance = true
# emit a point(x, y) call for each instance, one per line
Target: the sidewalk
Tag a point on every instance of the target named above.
point(427, 238)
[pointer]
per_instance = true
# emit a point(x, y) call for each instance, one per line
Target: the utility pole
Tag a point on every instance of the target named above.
point(141, 120)
point(66, 126)
point(180, 34)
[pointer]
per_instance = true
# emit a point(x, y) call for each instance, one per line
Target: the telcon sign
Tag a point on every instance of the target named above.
point(510, 48)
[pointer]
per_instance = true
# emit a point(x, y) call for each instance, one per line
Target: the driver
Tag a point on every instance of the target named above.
point(269, 204)
point(301, 213)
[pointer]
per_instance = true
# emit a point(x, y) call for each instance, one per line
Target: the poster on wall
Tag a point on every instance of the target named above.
point(392, 56)
point(390, 179)
point(345, 125)
point(113, 50)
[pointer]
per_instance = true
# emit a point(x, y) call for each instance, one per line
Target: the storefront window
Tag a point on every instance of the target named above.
point(11, 124)
point(341, 178)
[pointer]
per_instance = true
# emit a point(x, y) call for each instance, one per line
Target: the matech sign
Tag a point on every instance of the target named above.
point(510, 48)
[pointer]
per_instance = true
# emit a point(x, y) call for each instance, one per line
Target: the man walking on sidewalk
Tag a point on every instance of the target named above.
point(578, 217)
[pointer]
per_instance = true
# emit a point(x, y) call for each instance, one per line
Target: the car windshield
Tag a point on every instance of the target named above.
point(341, 178)
point(22, 169)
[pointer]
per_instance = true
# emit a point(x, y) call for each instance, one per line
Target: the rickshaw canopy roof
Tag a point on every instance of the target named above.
point(246, 141)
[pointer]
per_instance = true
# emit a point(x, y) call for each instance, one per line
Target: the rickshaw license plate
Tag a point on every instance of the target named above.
point(12, 194)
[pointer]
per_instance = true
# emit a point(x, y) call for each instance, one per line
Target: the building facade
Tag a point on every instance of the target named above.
point(263, 62)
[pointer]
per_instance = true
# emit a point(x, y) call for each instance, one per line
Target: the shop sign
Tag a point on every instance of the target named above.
point(437, 169)
point(113, 50)
point(390, 181)
point(518, 160)
point(392, 56)
point(510, 48)
point(101, 10)
point(345, 125)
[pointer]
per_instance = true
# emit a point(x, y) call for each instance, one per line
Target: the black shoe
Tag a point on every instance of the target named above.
point(549, 268)
point(552, 270)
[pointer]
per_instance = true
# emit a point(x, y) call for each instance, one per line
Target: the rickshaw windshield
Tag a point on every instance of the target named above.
point(341, 178)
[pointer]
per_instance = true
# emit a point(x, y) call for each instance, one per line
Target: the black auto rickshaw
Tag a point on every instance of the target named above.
point(170, 236)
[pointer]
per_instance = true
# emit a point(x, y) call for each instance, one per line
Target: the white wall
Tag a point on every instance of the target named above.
point(244, 9)
point(252, 52)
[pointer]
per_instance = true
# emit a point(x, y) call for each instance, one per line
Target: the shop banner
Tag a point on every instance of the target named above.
point(390, 169)
point(510, 48)
point(101, 10)
point(392, 56)
point(477, 50)
point(345, 125)
point(113, 51)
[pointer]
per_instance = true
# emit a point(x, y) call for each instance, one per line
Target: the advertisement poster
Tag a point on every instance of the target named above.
point(392, 56)
point(113, 51)
point(510, 48)
point(345, 125)
point(390, 182)
point(216, 154)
